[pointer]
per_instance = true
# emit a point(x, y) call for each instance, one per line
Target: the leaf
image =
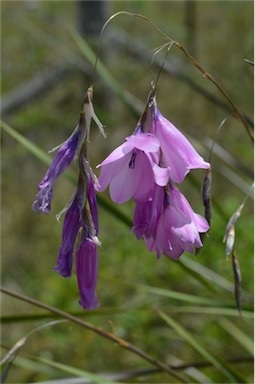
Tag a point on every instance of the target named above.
point(216, 362)
point(242, 338)
point(210, 275)
point(211, 311)
point(11, 355)
point(77, 372)
point(181, 296)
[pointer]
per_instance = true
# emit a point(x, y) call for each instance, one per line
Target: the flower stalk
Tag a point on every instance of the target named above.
point(81, 218)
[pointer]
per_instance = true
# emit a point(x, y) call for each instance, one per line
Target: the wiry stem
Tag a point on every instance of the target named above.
point(207, 75)
point(121, 342)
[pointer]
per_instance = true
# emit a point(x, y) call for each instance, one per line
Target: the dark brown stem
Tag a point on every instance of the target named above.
point(121, 342)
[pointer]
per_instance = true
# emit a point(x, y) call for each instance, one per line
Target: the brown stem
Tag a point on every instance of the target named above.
point(207, 75)
point(121, 342)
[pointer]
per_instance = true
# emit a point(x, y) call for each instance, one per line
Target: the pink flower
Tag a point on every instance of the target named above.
point(178, 155)
point(145, 168)
point(168, 224)
point(129, 169)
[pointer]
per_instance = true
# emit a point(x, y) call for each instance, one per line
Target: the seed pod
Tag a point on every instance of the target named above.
point(237, 277)
point(206, 194)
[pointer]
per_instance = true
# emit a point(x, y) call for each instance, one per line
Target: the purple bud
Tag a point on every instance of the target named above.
point(71, 226)
point(87, 271)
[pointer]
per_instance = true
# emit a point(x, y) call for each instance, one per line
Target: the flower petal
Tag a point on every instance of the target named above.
point(145, 142)
point(93, 204)
point(87, 271)
point(59, 164)
point(71, 226)
point(110, 171)
point(161, 175)
point(179, 201)
point(179, 154)
point(135, 181)
point(117, 154)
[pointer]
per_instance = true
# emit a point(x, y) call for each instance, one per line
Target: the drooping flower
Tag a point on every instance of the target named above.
point(178, 155)
point(81, 217)
point(62, 160)
point(155, 153)
point(145, 168)
point(168, 224)
point(86, 272)
point(128, 169)
point(65, 155)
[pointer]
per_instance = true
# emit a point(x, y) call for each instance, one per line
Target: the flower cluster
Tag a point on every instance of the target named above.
point(81, 219)
point(146, 168)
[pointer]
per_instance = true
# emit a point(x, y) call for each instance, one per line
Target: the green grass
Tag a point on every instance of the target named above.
point(128, 272)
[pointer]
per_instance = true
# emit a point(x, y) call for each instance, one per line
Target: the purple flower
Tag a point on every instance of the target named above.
point(129, 169)
point(169, 224)
point(61, 161)
point(81, 217)
point(66, 153)
point(178, 155)
point(156, 153)
point(86, 272)
point(81, 212)
point(71, 226)
point(145, 168)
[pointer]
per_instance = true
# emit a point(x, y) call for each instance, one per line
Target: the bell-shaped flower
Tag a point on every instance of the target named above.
point(62, 160)
point(86, 272)
point(169, 225)
point(178, 155)
point(81, 218)
point(129, 169)
point(66, 153)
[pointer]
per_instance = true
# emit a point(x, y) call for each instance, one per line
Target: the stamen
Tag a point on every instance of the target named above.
point(131, 164)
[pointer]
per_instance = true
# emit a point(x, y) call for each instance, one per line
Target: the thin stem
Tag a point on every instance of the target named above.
point(216, 136)
point(207, 75)
point(121, 342)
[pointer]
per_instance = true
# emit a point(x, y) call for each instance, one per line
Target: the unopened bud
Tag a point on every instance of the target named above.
point(206, 194)
point(229, 239)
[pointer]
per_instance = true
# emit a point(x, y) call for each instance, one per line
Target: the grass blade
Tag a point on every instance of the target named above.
point(218, 364)
point(134, 105)
point(181, 296)
point(212, 276)
point(77, 372)
point(238, 335)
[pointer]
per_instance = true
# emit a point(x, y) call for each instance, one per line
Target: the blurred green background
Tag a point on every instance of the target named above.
point(37, 44)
